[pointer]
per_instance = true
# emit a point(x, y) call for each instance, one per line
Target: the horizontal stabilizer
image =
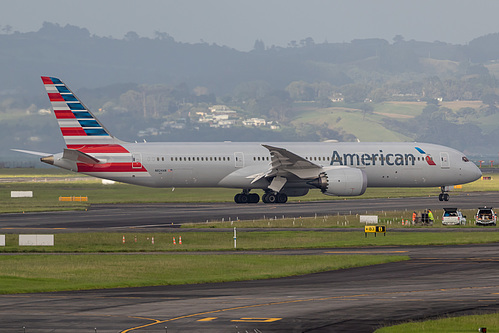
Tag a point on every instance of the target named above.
point(37, 153)
point(78, 156)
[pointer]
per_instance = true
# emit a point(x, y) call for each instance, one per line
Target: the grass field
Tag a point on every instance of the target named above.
point(448, 325)
point(392, 219)
point(107, 242)
point(38, 273)
point(365, 128)
point(372, 126)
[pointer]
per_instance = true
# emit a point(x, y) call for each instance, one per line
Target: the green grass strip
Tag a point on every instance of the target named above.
point(223, 241)
point(40, 273)
point(448, 325)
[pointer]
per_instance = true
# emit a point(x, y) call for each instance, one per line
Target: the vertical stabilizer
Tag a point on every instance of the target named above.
point(78, 125)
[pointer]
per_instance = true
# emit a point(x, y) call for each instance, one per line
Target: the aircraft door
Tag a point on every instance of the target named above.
point(444, 160)
point(239, 160)
point(136, 161)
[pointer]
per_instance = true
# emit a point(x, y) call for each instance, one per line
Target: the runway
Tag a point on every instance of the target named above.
point(437, 281)
point(167, 215)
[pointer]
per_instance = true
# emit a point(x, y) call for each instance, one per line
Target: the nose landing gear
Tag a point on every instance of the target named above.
point(444, 196)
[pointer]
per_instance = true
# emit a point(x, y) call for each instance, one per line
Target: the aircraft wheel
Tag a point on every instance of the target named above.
point(237, 198)
point(243, 198)
point(254, 198)
point(441, 197)
point(282, 198)
point(271, 198)
point(446, 197)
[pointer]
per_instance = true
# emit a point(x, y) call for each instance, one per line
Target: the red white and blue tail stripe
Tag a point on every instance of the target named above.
point(78, 125)
point(89, 144)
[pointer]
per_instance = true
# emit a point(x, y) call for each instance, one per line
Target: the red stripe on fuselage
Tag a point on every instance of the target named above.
point(109, 167)
point(73, 131)
point(64, 114)
point(55, 97)
point(99, 148)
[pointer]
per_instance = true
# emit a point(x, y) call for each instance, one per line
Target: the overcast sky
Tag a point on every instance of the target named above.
point(238, 24)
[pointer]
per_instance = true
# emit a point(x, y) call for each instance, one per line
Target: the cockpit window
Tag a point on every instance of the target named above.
point(465, 159)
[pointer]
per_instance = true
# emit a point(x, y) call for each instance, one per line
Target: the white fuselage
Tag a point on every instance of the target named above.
point(234, 165)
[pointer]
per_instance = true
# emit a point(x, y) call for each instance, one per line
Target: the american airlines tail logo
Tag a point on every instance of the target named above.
point(427, 158)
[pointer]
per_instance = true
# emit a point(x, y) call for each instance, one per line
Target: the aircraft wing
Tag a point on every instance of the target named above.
point(282, 158)
point(284, 165)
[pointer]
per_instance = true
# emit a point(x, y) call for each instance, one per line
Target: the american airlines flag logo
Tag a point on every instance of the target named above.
point(73, 117)
point(83, 132)
point(428, 157)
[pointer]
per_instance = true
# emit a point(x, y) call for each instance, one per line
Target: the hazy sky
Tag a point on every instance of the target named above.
point(238, 24)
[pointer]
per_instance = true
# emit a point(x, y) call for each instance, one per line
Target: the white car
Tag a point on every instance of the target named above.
point(485, 216)
point(453, 216)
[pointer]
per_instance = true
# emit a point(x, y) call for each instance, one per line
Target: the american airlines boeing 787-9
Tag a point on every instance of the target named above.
point(279, 169)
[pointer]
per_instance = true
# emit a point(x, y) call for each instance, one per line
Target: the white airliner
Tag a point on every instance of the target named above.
point(279, 169)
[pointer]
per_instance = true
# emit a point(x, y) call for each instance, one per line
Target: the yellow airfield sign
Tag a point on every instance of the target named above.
point(375, 229)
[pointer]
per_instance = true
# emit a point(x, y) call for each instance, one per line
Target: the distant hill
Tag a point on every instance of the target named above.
point(266, 82)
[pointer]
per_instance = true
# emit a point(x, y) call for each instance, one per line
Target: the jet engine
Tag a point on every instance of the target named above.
point(341, 181)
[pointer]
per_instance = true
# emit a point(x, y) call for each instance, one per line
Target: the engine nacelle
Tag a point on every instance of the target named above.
point(342, 181)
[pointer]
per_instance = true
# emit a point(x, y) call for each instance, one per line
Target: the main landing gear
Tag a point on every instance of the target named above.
point(272, 197)
point(269, 197)
point(444, 196)
point(246, 197)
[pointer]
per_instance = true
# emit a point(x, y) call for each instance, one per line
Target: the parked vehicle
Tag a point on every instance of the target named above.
point(485, 216)
point(453, 216)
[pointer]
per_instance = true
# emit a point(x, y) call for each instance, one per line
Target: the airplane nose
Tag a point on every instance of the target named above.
point(476, 173)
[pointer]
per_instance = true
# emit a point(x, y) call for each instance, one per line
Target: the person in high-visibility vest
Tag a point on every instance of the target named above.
point(430, 216)
point(414, 216)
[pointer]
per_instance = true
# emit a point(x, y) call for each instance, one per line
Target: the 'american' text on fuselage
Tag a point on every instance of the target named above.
point(365, 159)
